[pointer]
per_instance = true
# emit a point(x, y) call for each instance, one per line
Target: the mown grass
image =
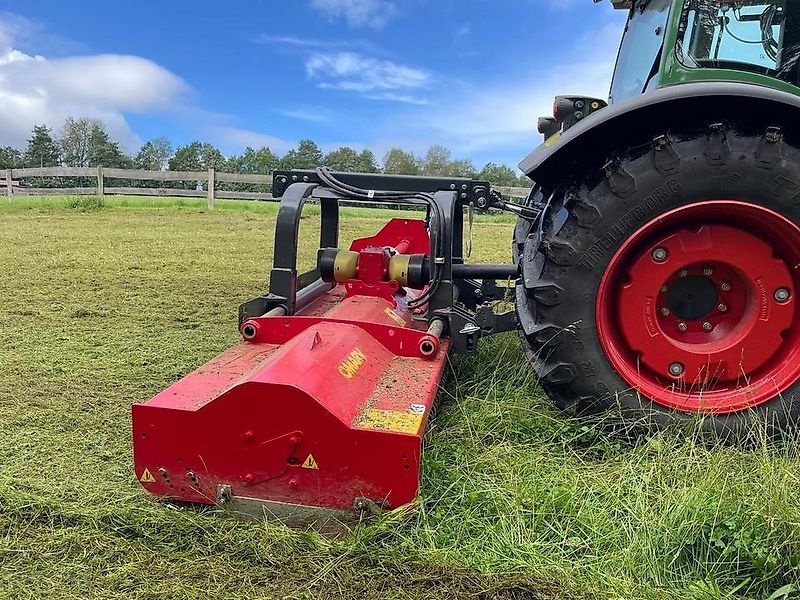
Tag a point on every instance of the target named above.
point(102, 306)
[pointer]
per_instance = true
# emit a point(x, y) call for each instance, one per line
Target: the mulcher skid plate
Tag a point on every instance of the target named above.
point(321, 413)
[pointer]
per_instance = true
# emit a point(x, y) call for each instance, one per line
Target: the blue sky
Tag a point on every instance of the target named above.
point(473, 75)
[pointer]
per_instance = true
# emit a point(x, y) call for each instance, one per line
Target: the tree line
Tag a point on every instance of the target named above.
point(86, 143)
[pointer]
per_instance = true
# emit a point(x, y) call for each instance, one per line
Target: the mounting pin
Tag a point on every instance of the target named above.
point(660, 254)
point(676, 369)
point(782, 294)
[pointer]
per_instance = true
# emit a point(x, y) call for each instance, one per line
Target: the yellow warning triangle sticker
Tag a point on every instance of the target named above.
point(147, 477)
point(310, 463)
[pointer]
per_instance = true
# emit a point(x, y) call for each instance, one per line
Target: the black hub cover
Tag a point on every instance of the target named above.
point(692, 297)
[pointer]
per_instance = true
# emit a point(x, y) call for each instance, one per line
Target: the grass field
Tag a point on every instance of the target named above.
point(102, 307)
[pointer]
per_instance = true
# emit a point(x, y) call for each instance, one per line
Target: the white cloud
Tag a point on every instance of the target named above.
point(358, 13)
point(354, 72)
point(35, 90)
point(312, 114)
point(500, 119)
point(234, 139)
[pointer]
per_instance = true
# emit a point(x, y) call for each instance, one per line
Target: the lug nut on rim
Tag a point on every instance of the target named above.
point(676, 369)
point(726, 287)
point(683, 273)
point(708, 271)
point(660, 254)
point(665, 312)
point(782, 294)
point(723, 308)
point(707, 326)
point(683, 327)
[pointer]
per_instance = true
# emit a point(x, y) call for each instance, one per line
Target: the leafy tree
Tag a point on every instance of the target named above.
point(10, 158)
point(499, 175)
point(343, 159)
point(42, 150)
point(436, 161)
point(260, 162)
point(196, 156)
point(86, 143)
point(462, 168)
point(307, 155)
point(367, 162)
point(75, 141)
point(154, 155)
point(105, 152)
point(399, 162)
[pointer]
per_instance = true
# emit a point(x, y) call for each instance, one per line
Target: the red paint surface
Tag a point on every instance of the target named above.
point(752, 353)
point(252, 416)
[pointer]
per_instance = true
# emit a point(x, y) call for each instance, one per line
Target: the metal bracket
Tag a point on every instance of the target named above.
point(327, 521)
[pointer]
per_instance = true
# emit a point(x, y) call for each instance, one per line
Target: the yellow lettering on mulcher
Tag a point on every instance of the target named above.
point(352, 363)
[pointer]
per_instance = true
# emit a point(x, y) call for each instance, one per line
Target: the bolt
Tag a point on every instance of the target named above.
point(478, 293)
point(249, 478)
point(664, 289)
point(660, 254)
point(464, 186)
point(723, 308)
point(683, 326)
point(708, 271)
point(676, 369)
point(683, 273)
point(294, 177)
point(782, 294)
point(665, 312)
point(305, 178)
point(725, 287)
point(707, 326)
point(452, 186)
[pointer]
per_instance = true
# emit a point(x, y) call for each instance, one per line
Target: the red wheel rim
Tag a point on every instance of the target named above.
point(697, 309)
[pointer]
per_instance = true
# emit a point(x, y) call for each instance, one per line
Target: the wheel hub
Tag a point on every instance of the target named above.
point(697, 309)
point(691, 297)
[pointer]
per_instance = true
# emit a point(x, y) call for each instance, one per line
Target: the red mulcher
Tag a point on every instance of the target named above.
point(319, 412)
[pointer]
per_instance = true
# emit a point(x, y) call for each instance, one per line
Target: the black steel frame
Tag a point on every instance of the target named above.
point(462, 301)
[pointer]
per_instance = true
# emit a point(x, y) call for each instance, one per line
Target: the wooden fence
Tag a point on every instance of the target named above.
point(12, 183)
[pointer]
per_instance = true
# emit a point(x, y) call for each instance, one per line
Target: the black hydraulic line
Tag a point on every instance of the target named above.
point(490, 272)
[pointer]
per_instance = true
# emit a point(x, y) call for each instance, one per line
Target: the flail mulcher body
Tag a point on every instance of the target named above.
point(655, 269)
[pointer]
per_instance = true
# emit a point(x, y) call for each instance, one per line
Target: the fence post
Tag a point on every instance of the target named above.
point(9, 185)
point(101, 186)
point(211, 184)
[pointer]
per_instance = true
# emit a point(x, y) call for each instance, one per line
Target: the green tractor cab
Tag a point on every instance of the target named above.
point(660, 280)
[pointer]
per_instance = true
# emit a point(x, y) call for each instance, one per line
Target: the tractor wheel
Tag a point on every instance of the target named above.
point(665, 285)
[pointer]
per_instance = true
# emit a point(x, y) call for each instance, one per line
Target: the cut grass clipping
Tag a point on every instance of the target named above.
point(103, 305)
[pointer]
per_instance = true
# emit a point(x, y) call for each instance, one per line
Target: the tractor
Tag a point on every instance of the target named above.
point(655, 269)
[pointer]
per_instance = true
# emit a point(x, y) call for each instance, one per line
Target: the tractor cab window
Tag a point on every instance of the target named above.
point(640, 51)
point(760, 36)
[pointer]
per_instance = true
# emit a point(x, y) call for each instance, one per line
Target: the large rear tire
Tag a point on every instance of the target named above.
point(665, 285)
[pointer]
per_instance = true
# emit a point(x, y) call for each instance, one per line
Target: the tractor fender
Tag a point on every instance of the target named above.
point(637, 120)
